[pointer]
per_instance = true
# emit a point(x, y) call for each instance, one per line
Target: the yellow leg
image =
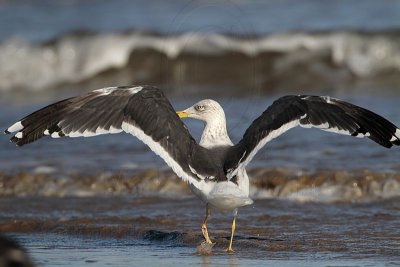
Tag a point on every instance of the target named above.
point(229, 249)
point(204, 225)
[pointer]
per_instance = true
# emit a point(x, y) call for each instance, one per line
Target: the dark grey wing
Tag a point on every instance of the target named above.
point(144, 112)
point(325, 113)
point(94, 113)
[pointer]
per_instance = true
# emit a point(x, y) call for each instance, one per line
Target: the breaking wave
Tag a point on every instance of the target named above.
point(319, 186)
point(312, 60)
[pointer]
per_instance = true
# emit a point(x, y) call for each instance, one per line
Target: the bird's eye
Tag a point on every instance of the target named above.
point(199, 107)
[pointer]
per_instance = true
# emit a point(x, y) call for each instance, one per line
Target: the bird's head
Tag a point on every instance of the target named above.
point(206, 110)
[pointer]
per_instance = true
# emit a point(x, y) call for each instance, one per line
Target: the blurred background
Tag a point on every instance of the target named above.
point(208, 47)
point(243, 53)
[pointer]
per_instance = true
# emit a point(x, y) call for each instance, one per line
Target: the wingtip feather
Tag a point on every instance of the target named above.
point(396, 138)
point(14, 140)
point(16, 127)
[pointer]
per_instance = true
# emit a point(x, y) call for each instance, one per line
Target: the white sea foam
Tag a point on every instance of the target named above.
point(74, 58)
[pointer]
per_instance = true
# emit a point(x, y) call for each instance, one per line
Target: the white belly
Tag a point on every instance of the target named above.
point(225, 196)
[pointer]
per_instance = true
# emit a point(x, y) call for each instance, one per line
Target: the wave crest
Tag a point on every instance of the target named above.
point(321, 186)
point(193, 58)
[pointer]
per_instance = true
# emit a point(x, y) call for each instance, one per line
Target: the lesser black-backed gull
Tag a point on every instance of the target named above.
point(214, 168)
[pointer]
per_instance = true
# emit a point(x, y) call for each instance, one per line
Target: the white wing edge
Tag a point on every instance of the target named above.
point(284, 128)
point(160, 151)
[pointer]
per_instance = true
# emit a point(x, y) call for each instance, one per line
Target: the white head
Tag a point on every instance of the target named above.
point(205, 110)
point(213, 116)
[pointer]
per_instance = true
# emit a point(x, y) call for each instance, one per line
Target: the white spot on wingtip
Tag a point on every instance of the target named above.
point(15, 127)
point(55, 135)
point(19, 135)
point(46, 132)
point(396, 136)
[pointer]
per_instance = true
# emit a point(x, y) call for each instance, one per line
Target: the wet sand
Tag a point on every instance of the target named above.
point(149, 231)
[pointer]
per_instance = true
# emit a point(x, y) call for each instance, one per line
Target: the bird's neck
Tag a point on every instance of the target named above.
point(215, 134)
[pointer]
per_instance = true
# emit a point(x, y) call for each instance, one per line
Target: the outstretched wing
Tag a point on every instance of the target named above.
point(144, 112)
point(325, 113)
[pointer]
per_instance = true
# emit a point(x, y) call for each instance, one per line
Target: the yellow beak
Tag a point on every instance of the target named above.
point(182, 114)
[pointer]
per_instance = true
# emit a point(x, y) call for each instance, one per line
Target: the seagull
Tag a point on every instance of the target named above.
point(214, 168)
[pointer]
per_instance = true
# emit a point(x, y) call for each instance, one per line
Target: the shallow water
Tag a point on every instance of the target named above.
point(113, 231)
point(87, 251)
